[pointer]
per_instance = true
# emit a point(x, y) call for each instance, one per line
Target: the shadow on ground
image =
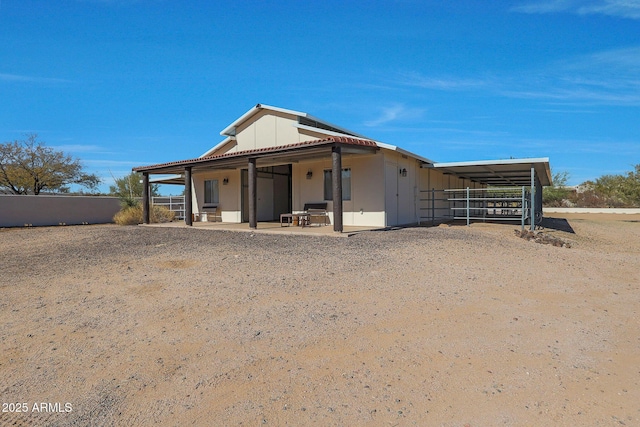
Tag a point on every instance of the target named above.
point(559, 224)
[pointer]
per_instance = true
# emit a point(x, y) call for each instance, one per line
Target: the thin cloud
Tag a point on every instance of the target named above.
point(629, 9)
point(609, 78)
point(394, 113)
point(601, 78)
point(79, 148)
point(439, 83)
point(545, 6)
point(17, 78)
point(108, 163)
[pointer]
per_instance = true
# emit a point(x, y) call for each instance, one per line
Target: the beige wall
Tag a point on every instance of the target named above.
point(16, 211)
point(230, 196)
point(435, 179)
point(366, 206)
point(267, 129)
point(380, 195)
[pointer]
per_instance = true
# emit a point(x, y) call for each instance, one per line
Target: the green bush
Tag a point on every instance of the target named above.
point(556, 194)
point(132, 215)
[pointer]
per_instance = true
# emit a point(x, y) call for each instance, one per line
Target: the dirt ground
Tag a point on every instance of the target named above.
point(442, 326)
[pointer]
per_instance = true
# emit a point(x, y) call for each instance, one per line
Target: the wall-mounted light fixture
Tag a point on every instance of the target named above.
point(403, 172)
point(225, 181)
point(309, 174)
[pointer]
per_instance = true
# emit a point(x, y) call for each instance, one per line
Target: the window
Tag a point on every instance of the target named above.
point(211, 194)
point(346, 184)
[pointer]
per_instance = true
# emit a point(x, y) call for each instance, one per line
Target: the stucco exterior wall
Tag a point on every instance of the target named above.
point(16, 211)
point(230, 194)
point(366, 206)
point(266, 130)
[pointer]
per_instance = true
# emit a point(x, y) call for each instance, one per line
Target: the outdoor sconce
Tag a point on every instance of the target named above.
point(225, 181)
point(403, 172)
point(309, 174)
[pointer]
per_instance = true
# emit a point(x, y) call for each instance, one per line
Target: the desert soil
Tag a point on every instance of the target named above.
point(442, 326)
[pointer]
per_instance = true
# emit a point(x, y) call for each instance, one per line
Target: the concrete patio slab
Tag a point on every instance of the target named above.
point(269, 228)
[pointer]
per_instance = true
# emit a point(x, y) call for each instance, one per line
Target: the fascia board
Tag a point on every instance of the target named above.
point(402, 151)
point(493, 162)
point(218, 146)
point(328, 132)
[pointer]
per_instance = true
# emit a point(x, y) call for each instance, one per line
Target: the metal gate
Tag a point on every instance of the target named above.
point(478, 204)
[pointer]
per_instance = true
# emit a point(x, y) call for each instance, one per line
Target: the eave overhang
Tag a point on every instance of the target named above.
point(290, 153)
point(509, 172)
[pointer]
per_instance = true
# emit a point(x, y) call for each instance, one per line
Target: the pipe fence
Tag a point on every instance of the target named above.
point(477, 204)
point(173, 203)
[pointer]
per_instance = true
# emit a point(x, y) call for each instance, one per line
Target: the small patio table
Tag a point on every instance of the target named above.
point(294, 218)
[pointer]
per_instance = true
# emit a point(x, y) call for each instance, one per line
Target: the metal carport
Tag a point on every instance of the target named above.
point(533, 173)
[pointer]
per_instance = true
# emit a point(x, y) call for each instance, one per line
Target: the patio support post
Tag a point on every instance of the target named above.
point(539, 197)
point(533, 198)
point(524, 206)
point(145, 197)
point(188, 208)
point(336, 182)
point(253, 199)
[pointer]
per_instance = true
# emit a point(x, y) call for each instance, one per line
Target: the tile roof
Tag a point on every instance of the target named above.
point(343, 140)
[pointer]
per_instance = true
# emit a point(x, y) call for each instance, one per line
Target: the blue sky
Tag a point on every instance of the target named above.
point(123, 83)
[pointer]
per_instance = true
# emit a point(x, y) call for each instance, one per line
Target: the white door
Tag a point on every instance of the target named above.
point(391, 192)
point(406, 195)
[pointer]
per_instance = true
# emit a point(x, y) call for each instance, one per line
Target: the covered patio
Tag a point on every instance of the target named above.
point(331, 147)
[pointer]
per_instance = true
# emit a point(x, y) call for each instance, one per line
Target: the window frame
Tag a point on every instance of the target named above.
point(328, 184)
point(212, 195)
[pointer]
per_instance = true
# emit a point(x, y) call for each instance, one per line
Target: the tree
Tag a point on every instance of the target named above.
point(130, 187)
point(620, 190)
point(28, 167)
point(558, 191)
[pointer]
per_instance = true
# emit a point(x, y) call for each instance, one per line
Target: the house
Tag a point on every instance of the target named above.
point(274, 160)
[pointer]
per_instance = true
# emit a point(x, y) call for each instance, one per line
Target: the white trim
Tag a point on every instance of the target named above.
point(403, 151)
point(493, 162)
point(329, 132)
point(536, 162)
point(340, 128)
point(218, 146)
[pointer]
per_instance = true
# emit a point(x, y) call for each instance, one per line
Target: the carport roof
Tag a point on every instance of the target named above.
point(510, 172)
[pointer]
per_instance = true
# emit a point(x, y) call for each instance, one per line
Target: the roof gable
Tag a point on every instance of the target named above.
point(303, 119)
point(266, 126)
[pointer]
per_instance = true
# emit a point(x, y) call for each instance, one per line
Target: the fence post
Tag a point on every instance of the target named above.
point(468, 201)
point(433, 206)
point(524, 208)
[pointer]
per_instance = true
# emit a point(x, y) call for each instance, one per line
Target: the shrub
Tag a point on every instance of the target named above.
point(132, 215)
point(556, 194)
